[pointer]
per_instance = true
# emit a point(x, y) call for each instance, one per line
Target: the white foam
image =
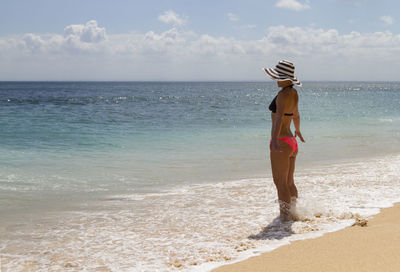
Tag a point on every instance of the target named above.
point(199, 227)
point(386, 120)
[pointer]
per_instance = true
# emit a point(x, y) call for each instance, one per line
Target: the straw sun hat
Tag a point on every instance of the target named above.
point(283, 71)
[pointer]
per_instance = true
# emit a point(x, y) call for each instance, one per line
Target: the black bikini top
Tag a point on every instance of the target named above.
point(272, 107)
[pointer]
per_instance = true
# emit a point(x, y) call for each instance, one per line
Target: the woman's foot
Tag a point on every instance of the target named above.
point(284, 208)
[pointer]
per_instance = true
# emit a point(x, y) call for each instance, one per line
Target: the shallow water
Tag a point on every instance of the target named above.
point(197, 227)
point(175, 176)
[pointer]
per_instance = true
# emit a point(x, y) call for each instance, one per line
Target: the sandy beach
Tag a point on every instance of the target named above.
point(374, 247)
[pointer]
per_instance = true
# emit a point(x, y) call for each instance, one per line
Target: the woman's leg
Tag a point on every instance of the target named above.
point(280, 165)
point(292, 186)
point(290, 179)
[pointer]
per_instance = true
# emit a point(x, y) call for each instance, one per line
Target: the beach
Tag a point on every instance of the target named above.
point(137, 137)
point(175, 176)
point(370, 247)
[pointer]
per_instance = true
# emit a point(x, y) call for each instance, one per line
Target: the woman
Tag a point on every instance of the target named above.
point(283, 145)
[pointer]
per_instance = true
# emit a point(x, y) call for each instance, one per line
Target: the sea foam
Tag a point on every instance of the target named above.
point(199, 227)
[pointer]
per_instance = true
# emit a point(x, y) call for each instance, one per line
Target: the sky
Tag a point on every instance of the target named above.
point(207, 40)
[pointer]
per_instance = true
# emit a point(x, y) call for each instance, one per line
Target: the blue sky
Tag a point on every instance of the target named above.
point(198, 40)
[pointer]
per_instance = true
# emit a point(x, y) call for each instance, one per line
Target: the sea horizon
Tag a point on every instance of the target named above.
point(206, 81)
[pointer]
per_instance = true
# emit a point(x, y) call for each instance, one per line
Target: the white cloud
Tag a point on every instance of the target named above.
point(77, 39)
point(33, 42)
point(388, 20)
point(292, 4)
point(170, 17)
point(87, 52)
point(165, 42)
point(233, 17)
point(89, 33)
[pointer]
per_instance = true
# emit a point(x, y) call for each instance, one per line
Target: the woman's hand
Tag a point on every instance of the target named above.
point(274, 146)
point(298, 133)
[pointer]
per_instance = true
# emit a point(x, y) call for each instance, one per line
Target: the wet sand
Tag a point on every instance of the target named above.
point(371, 247)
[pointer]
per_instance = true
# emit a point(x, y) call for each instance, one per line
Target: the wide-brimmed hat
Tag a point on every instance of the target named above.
point(284, 70)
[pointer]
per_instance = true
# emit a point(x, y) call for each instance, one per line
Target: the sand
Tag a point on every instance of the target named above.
point(374, 247)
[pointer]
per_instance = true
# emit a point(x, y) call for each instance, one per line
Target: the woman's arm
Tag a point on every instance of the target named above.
point(296, 121)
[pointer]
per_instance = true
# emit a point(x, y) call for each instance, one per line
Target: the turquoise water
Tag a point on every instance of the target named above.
point(82, 139)
point(152, 135)
point(99, 147)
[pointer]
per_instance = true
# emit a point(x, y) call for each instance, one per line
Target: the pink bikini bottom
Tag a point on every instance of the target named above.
point(290, 141)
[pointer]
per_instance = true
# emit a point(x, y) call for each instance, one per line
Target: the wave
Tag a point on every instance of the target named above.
point(199, 227)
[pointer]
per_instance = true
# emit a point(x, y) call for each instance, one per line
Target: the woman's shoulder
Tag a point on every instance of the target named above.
point(288, 92)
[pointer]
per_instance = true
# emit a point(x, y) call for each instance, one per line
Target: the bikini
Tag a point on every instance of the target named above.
point(289, 140)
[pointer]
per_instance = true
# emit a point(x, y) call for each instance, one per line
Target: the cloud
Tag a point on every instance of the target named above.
point(170, 17)
point(77, 39)
point(388, 20)
point(300, 41)
point(87, 52)
point(292, 4)
point(33, 42)
point(164, 43)
point(233, 17)
point(89, 33)
point(308, 41)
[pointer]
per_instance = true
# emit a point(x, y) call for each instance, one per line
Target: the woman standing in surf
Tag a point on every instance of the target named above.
point(283, 145)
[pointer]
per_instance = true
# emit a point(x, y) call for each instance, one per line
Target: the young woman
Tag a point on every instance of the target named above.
point(283, 145)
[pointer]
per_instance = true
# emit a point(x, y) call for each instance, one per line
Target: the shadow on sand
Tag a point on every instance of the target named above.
point(276, 230)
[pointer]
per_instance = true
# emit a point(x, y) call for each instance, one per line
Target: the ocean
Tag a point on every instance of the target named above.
point(175, 176)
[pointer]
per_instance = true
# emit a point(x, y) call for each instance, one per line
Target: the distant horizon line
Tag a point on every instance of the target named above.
point(194, 81)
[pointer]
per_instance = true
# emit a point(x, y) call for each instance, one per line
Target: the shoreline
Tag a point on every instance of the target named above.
point(373, 247)
point(241, 207)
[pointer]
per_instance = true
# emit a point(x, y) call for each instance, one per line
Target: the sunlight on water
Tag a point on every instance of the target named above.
point(175, 176)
